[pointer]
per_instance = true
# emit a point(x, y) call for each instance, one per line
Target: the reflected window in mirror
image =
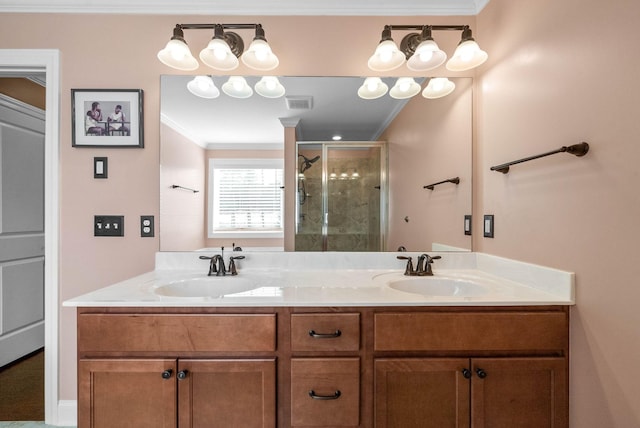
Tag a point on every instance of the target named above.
point(246, 198)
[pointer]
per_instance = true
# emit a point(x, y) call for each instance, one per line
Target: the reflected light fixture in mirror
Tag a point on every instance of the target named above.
point(438, 87)
point(203, 87)
point(270, 87)
point(237, 87)
point(372, 88)
point(405, 87)
point(223, 50)
point(428, 55)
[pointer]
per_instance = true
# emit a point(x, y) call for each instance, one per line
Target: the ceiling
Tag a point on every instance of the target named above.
point(251, 7)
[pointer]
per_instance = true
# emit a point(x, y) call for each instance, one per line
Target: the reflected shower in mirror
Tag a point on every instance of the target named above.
point(429, 140)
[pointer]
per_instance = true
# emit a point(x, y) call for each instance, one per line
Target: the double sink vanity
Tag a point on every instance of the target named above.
point(327, 340)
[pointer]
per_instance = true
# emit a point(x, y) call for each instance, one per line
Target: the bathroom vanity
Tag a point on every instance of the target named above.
point(341, 347)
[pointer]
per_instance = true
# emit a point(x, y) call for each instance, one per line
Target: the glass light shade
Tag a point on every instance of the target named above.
point(237, 87)
point(405, 87)
point(372, 88)
point(386, 57)
point(176, 54)
point(270, 87)
point(438, 87)
point(218, 55)
point(259, 56)
point(468, 55)
point(426, 57)
point(203, 86)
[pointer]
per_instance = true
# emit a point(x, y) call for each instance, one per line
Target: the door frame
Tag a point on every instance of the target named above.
point(15, 62)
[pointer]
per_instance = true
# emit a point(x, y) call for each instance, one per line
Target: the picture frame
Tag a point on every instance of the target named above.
point(108, 118)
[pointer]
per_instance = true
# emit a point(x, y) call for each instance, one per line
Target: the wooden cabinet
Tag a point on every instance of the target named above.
point(508, 368)
point(161, 369)
point(382, 367)
point(478, 393)
point(325, 369)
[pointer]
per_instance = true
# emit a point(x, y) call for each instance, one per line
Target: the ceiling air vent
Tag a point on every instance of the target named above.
point(303, 102)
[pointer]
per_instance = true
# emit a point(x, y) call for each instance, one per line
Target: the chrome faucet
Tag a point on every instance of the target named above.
point(423, 265)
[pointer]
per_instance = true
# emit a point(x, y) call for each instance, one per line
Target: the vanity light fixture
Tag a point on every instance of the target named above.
point(223, 50)
point(422, 53)
point(372, 88)
point(438, 87)
point(203, 86)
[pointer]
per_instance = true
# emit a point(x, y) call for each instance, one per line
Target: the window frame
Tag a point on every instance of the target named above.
point(248, 163)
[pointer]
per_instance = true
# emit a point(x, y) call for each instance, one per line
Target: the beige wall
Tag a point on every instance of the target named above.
point(183, 220)
point(561, 72)
point(545, 85)
point(430, 141)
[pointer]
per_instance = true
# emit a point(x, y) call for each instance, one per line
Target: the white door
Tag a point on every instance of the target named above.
point(22, 132)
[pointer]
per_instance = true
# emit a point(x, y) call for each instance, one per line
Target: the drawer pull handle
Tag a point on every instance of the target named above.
point(167, 374)
point(182, 374)
point(481, 373)
point(333, 335)
point(466, 373)
point(335, 396)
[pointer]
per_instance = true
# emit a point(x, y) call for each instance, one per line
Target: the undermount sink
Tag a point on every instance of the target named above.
point(211, 287)
point(438, 287)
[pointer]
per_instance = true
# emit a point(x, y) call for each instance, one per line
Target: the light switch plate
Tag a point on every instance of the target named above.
point(100, 167)
point(488, 226)
point(108, 225)
point(467, 224)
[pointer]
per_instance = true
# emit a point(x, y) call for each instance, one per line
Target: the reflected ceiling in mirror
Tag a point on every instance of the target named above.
point(323, 106)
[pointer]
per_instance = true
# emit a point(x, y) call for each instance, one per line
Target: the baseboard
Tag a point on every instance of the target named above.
point(67, 413)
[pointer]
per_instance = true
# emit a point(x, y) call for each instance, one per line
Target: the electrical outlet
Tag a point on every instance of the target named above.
point(146, 226)
point(108, 225)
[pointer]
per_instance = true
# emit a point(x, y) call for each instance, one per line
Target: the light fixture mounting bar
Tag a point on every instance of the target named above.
point(433, 27)
point(224, 26)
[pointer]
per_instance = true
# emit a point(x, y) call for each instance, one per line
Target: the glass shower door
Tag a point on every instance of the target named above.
point(351, 215)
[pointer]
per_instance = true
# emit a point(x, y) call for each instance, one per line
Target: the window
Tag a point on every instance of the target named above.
point(246, 198)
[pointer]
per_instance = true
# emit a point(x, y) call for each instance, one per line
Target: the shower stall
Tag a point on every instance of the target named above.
point(341, 202)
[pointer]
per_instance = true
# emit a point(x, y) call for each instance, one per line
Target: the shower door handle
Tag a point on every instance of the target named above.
point(326, 218)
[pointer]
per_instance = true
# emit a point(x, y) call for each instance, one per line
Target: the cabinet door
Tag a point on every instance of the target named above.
point(227, 393)
point(127, 393)
point(519, 392)
point(421, 392)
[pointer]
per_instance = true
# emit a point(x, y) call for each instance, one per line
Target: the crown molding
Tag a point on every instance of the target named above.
point(250, 7)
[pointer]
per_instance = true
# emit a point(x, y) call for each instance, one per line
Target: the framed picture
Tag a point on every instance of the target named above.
point(107, 118)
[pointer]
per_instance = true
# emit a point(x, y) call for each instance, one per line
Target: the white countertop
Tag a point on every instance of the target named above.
point(335, 279)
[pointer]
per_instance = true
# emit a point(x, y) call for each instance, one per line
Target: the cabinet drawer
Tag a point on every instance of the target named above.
point(176, 333)
point(325, 332)
point(472, 331)
point(325, 392)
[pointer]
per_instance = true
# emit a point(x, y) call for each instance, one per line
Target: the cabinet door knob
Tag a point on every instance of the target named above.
point(182, 374)
point(481, 373)
point(167, 374)
point(315, 396)
point(333, 335)
point(466, 373)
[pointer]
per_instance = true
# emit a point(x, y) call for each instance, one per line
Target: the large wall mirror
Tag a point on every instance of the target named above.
point(429, 141)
